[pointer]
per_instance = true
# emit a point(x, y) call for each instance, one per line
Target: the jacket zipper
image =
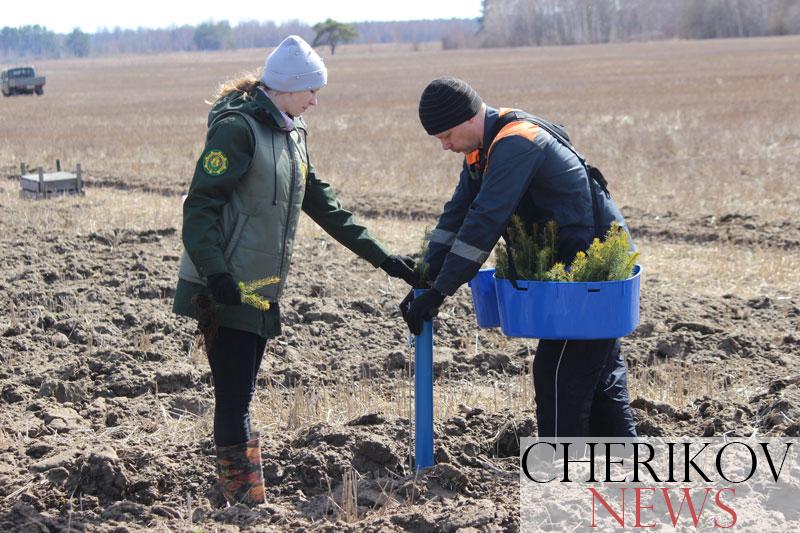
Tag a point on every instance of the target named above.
point(289, 210)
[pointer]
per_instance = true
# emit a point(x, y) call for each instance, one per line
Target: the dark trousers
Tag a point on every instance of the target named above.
point(235, 357)
point(582, 392)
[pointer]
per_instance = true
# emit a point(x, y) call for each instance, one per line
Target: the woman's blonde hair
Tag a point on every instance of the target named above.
point(243, 83)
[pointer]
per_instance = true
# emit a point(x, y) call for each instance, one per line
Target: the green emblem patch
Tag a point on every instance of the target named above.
point(303, 171)
point(215, 162)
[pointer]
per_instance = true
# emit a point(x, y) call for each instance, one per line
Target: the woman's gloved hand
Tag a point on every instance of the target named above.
point(401, 266)
point(224, 289)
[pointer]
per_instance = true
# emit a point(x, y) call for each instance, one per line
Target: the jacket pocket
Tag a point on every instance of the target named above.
point(250, 265)
point(241, 220)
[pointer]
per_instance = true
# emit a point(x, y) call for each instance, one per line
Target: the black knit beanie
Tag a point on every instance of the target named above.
point(446, 103)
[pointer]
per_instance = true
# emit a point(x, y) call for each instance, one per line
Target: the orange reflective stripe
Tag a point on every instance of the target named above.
point(505, 110)
point(473, 157)
point(521, 128)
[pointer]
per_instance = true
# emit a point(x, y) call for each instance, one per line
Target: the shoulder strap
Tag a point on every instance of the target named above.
point(511, 115)
point(595, 176)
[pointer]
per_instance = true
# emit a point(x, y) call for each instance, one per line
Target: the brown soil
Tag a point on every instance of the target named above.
point(85, 400)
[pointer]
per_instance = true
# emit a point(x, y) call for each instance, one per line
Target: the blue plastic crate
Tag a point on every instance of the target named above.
point(484, 299)
point(569, 310)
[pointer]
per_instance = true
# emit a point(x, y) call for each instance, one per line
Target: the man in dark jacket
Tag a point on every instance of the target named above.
point(513, 166)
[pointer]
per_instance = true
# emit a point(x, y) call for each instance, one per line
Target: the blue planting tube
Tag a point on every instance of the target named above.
point(423, 395)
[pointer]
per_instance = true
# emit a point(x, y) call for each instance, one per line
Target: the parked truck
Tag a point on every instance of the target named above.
point(21, 80)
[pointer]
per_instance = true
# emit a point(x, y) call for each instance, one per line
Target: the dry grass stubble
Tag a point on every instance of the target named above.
point(685, 268)
point(704, 127)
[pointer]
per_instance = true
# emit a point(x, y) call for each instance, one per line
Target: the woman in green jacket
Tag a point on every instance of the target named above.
point(239, 222)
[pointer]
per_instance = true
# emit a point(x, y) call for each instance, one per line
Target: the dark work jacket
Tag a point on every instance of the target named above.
point(525, 172)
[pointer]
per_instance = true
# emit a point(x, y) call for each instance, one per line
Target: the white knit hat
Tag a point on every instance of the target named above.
point(294, 66)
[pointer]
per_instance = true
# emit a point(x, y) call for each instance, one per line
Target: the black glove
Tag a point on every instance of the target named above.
point(406, 303)
point(423, 307)
point(224, 289)
point(401, 266)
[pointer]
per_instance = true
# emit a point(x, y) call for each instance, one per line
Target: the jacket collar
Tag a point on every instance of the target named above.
point(476, 160)
point(489, 124)
point(268, 112)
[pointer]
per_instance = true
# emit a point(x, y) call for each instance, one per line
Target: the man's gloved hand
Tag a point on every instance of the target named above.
point(406, 303)
point(224, 289)
point(401, 266)
point(423, 307)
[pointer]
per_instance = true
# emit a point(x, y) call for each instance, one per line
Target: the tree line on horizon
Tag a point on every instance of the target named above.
point(502, 23)
point(37, 41)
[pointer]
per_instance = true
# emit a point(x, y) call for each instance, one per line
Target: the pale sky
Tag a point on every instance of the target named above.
point(62, 16)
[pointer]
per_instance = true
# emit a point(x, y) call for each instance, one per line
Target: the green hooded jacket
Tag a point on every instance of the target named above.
point(240, 215)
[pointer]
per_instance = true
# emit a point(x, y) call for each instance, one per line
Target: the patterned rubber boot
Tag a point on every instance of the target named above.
point(239, 472)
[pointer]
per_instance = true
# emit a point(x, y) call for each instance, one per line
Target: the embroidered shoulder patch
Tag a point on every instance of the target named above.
point(215, 162)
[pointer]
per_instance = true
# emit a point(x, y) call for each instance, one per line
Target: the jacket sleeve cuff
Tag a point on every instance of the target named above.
point(375, 254)
point(443, 287)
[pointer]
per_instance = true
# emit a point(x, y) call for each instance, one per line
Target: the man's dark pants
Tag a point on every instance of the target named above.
point(581, 389)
